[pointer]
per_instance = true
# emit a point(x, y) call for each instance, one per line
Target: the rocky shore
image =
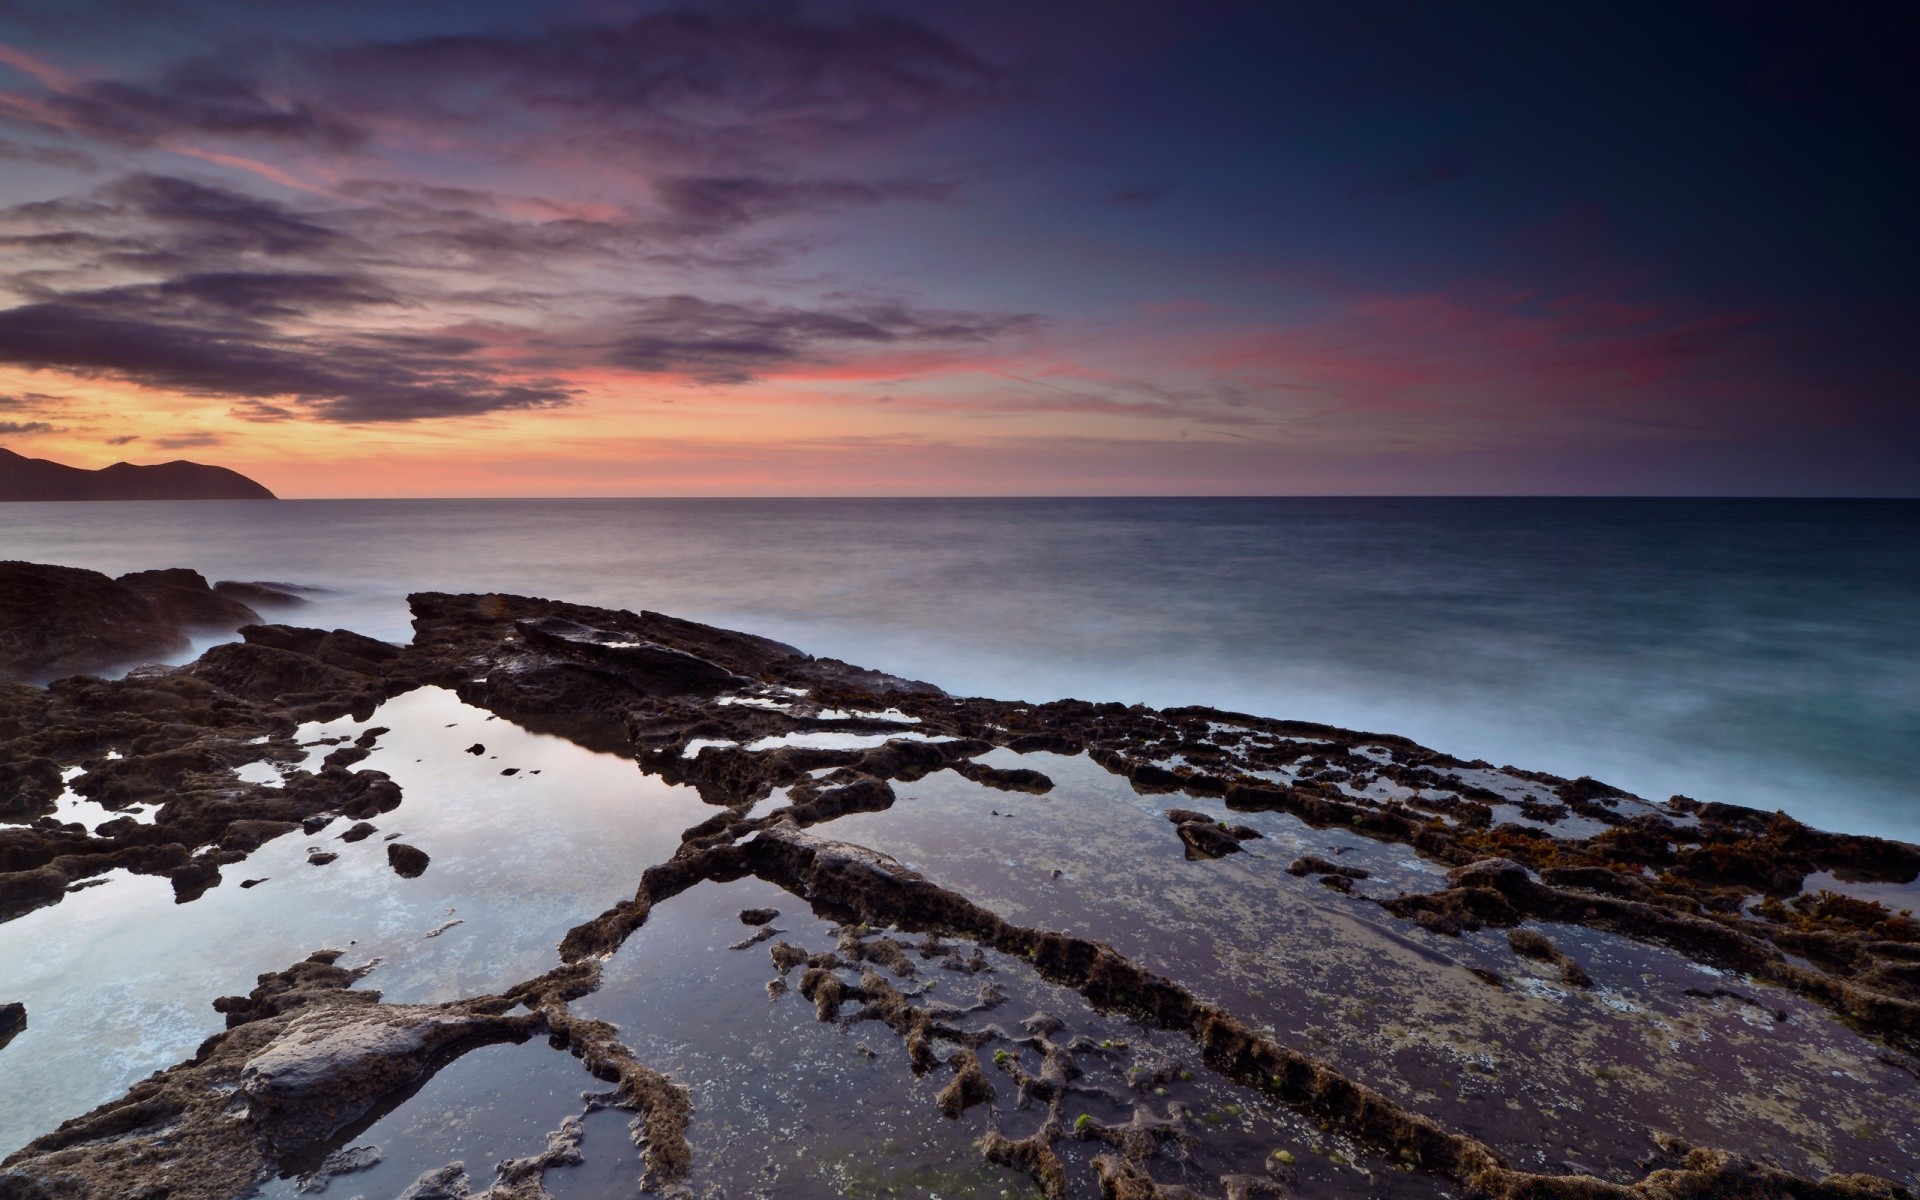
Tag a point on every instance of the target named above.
point(1548, 901)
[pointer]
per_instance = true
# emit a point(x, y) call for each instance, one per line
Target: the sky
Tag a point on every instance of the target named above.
point(1001, 248)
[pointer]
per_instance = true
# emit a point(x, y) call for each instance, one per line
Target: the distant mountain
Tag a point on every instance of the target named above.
point(23, 478)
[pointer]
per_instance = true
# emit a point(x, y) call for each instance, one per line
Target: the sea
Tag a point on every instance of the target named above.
point(1757, 652)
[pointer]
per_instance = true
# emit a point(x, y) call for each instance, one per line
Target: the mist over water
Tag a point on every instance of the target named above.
point(1759, 652)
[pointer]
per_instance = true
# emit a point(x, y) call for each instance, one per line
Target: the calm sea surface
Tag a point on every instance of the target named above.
point(1760, 652)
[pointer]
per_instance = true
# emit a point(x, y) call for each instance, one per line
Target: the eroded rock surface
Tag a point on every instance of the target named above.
point(782, 745)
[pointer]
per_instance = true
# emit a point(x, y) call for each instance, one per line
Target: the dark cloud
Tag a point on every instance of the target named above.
point(46, 156)
point(32, 402)
point(295, 314)
point(123, 439)
point(693, 84)
point(25, 427)
point(147, 221)
point(359, 377)
point(185, 441)
point(724, 342)
point(200, 97)
point(709, 202)
point(690, 81)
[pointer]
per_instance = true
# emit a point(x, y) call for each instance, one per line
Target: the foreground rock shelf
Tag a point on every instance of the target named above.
point(1060, 949)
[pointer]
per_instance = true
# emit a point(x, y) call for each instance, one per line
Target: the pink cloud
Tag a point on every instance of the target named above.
point(1505, 348)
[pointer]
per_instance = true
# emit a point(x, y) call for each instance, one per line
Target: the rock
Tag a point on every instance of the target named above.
point(320, 858)
point(1496, 873)
point(757, 916)
point(345, 757)
point(344, 1161)
point(28, 789)
point(646, 666)
point(261, 594)
point(59, 620)
point(1203, 837)
point(1312, 865)
point(332, 1062)
point(192, 881)
point(359, 831)
point(476, 749)
point(441, 1183)
point(13, 1019)
point(408, 862)
point(249, 835)
point(183, 597)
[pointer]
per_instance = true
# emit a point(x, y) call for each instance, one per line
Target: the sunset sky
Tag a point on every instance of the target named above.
point(603, 248)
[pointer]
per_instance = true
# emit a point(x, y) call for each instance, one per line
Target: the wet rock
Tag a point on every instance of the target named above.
point(968, 1088)
point(1529, 943)
point(302, 1056)
point(762, 934)
point(28, 789)
point(1017, 779)
point(1311, 865)
point(257, 594)
point(359, 831)
point(345, 757)
point(319, 857)
point(648, 667)
point(13, 1019)
point(477, 749)
point(183, 598)
point(1203, 837)
point(757, 916)
point(347, 1160)
point(442, 1183)
point(408, 862)
point(249, 835)
point(56, 620)
point(1500, 874)
point(192, 880)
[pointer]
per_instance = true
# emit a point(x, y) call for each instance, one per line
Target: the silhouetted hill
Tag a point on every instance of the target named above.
point(23, 478)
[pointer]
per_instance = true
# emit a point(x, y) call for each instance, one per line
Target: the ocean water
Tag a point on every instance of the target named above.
point(1759, 652)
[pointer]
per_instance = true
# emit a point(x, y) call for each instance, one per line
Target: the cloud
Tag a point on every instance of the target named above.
point(31, 402)
point(727, 342)
point(711, 203)
point(201, 96)
point(123, 439)
point(25, 427)
point(693, 86)
point(357, 377)
point(182, 441)
point(46, 156)
point(385, 304)
point(690, 84)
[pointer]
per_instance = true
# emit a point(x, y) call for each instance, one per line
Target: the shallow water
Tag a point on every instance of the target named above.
point(1557, 1078)
point(118, 979)
point(1756, 652)
point(495, 1102)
